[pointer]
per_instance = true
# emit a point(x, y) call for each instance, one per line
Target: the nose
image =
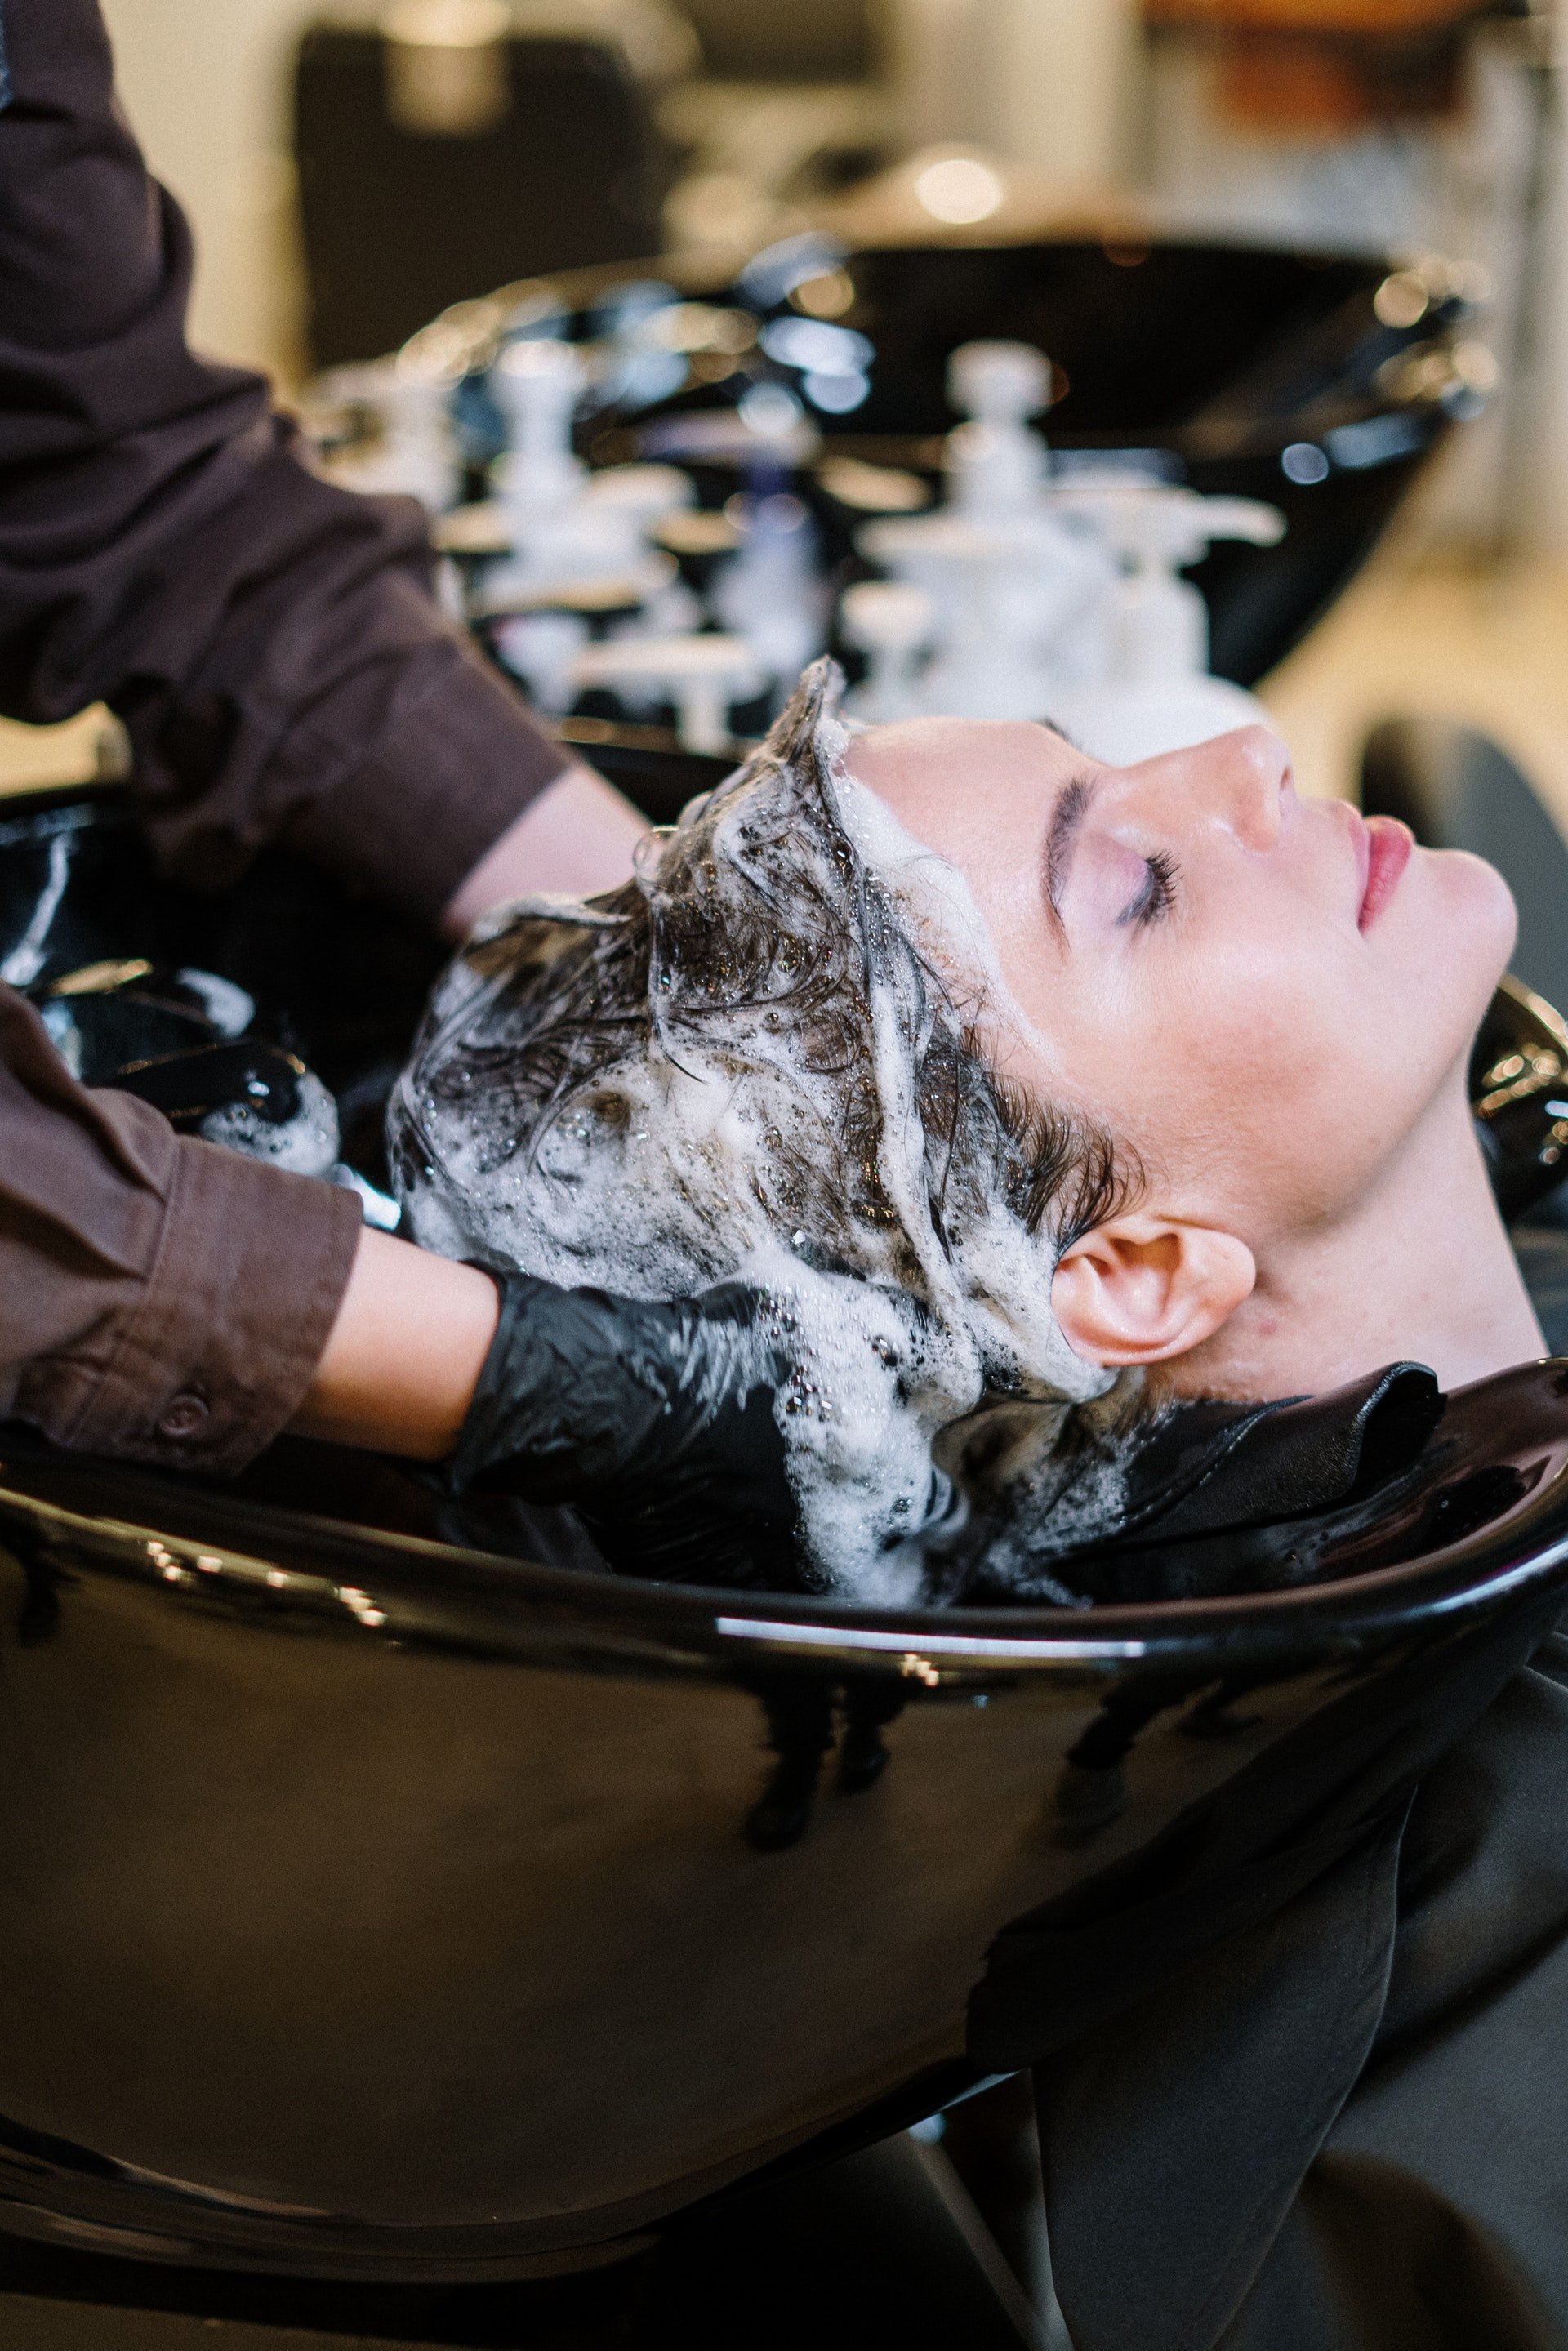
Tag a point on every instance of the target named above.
point(1241, 778)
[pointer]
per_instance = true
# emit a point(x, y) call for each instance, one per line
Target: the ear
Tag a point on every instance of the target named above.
point(1143, 1288)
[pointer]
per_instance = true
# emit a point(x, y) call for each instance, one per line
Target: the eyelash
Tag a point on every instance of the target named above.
point(1157, 895)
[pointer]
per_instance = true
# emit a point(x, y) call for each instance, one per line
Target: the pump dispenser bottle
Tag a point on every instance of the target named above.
point(1019, 587)
point(1156, 695)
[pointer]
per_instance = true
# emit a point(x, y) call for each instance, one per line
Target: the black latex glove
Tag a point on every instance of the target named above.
point(655, 1421)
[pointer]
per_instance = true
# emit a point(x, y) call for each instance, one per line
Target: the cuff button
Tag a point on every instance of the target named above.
point(183, 1417)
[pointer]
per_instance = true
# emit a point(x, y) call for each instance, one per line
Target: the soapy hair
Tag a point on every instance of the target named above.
point(766, 1057)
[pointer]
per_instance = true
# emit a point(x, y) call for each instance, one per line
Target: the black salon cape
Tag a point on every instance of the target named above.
point(1343, 2124)
point(1347, 2125)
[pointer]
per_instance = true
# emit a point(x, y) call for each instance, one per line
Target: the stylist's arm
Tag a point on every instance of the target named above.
point(274, 648)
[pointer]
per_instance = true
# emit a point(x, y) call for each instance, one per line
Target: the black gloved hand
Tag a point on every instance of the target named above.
point(656, 1421)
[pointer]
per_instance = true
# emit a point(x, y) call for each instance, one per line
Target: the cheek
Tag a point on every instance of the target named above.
point(1267, 1100)
point(1297, 1056)
point(1265, 1068)
point(1181, 1047)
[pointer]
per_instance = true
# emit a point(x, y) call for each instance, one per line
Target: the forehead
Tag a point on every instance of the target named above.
point(963, 785)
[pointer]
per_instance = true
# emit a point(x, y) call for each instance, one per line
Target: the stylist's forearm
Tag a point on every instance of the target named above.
point(404, 1354)
point(575, 839)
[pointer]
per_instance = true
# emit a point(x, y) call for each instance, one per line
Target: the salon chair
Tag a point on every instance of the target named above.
point(394, 1905)
point(427, 172)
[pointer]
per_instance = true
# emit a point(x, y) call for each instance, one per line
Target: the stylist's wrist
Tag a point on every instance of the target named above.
point(404, 1355)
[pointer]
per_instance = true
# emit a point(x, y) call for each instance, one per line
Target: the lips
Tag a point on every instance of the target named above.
point(1387, 846)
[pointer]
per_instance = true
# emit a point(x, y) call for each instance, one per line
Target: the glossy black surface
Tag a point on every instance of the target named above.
point(372, 1904)
point(381, 1895)
point(1518, 1072)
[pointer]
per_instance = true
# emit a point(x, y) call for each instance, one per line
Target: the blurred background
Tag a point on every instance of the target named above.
point(352, 170)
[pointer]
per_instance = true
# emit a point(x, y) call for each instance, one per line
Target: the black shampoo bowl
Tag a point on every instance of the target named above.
point(1320, 382)
point(375, 1905)
point(381, 1896)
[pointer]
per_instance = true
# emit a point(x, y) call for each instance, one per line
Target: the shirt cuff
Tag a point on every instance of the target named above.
point(413, 820)
point(216, 1355)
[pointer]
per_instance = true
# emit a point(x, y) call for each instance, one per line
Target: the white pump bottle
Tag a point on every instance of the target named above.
point(997, 465)
point(1157, 695)
point(568, 527)
point(1018, 587)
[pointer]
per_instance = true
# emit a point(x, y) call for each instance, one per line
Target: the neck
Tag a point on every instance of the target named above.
point(1421, 1269)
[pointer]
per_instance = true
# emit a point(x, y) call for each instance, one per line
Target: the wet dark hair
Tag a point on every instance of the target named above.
point(769, 1058)
point(769, 959)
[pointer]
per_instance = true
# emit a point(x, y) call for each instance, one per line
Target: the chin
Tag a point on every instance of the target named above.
point(1469, 926)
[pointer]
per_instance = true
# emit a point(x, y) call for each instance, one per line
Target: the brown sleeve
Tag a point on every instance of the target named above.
point(272, 643)
point(159, 1299)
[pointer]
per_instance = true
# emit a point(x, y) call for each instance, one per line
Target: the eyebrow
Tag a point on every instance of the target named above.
point(1072, 805)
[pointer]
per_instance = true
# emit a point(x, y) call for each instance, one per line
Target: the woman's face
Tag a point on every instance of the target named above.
point(1261, 995)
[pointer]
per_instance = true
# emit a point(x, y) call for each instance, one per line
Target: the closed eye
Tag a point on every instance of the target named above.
point(1158, 895)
